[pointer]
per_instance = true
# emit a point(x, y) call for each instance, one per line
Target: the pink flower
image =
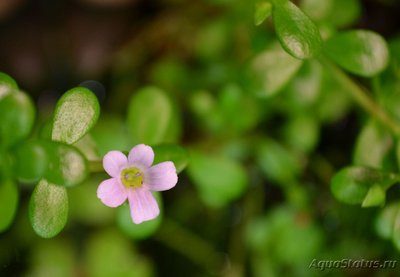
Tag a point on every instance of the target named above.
point(134, 178)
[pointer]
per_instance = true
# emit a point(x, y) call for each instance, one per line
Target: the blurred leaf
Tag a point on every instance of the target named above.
point(352, 184)
point(110, 254)
point(67, 166)
point(278, 163)
point(53, 258)
point(361, 52)
point(17, 114)
point(317, 9)
point(376, 196)
point(142, 230)
point(373, 144)
point(396, 232)
point(104, 134)
point(344, 12)
point(213, 40)
point(175, 153)
point(263, 10)
point(88, 147)
point(273, 69)
point(8, 203)
point(152, 118)
point(31, 161)
point(7, 85)
point(384, 223)
point(218, 179)
point(296, 32)
point(305, 125)
point(76, 113)
point(48, 209)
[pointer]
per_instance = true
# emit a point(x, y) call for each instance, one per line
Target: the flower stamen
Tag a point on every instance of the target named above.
point(132, 177)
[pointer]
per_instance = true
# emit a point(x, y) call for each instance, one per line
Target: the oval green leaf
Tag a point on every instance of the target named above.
point(219, 180)
point(66, 166)
point(175, 153)
point(48, 209)
point(7, 85)
point(353, 184)
point(17, 114)
point(152, 119)
point(76, 113)
point(8, 203)
point(361, 52)
point(297, 33)
point(263, 10)
point(273, 69)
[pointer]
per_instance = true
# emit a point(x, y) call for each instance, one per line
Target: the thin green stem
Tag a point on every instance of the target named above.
point(361, 96)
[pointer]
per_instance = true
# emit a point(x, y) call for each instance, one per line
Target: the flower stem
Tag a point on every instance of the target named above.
point(361, 96)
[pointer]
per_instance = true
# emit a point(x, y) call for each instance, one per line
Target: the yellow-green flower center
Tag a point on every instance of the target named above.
point(132, 177)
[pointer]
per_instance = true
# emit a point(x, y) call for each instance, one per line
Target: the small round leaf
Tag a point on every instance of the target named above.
point(76, 113)
point(175, 153)
point(8, 203)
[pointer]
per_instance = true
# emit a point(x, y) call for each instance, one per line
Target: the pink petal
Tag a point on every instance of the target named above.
point(113, 162)
point(142, 204)
point(141, 155)
point(161, 176)
point(112, 193)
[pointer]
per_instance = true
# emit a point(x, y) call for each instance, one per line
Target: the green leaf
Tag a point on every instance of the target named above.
point(7, 85)
point(218, 179)
point(31, 161)
point(305, 125)
point(66, 166)
point(384, 223)
point(352, 184)
point(344, 12)
point(273, 69)
point(48, 209)
point(316, 9)
point(142, 230)
point(76, 113)
point(175, 153)
point(361, 52)
point(373, 143)
point(8, 203)
point(263, 10)
point(375, 197)
point(17, 114)
point(152, 119)
point(297, 33)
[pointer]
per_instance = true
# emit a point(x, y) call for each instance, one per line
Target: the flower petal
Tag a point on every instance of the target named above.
point(141, 155)
point(112, 193)
point(161, 176)
point(142, 204)
point(113, 162)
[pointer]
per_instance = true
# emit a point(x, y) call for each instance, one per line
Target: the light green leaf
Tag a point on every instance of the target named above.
point(218, 179)
point(152, 118)
point(48, 209)
point(273, 69)
point(352, 184)
point(297, 33)
point(361, 52)
point(305, 125)
point(344, 12)
point(317, 9)
point(142, 230)
point(31, 161)
point(175, 153)
point(8, 203)
point(76, 113)
point(66, 166)
point(263, 10)
point(384, 222)
point(17, 115)
point(375, 197)
point(7, 85)
point(373, 143)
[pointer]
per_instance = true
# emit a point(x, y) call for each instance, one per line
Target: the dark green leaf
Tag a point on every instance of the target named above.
point(263, 10)
point(152, 119)
point(8, 203)
point(7, 85)
point(76, 113)
point(218, 179)
point(17, 115)
point(175, 153)
point(361, 52)
point(344, 12)
point(352, 184)
point(297, 33)
point(48, 209)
